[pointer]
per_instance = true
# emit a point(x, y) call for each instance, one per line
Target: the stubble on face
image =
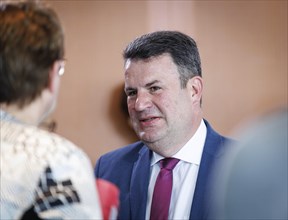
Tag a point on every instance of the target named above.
point(162, 120)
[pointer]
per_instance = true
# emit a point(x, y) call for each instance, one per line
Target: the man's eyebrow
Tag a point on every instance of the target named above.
point(146, 85)
point(128, 89)
point(151, 83)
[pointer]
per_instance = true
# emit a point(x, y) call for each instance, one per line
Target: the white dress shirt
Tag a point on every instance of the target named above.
point(184, 175)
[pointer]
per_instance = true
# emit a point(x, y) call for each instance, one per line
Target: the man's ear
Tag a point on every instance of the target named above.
point(53, 77)
point(195, 85)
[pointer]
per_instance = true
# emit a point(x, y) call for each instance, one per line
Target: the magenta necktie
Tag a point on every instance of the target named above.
point(162, 190)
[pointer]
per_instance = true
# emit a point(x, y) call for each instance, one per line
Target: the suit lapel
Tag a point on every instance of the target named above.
point(212, 150)
point(139, 184)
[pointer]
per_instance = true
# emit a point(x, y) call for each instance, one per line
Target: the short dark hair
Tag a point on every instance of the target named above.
point(31, 40)
point(181, 47)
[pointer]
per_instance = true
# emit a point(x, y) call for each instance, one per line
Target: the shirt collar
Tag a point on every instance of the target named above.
point(191, 152)
point(5, 116)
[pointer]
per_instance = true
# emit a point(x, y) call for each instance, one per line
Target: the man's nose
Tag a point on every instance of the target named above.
point(143, 101)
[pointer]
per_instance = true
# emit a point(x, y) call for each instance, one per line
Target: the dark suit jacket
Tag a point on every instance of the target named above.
point(129, 169)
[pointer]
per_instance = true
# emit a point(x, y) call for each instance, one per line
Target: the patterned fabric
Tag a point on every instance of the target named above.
point(45, 171)
point(52, 194)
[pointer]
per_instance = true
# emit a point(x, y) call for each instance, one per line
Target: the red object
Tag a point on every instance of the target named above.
point(109, 198)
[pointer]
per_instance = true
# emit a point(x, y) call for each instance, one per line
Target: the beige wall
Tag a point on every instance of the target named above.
point(243, 46)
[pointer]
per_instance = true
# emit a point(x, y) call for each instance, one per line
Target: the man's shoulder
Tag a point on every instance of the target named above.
point(215, 142)
point(126, 151)
point(119, 163)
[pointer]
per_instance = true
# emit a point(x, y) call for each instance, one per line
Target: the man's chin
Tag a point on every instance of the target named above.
point(149, 138)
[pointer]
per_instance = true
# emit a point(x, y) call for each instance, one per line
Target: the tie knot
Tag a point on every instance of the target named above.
point(168, 163)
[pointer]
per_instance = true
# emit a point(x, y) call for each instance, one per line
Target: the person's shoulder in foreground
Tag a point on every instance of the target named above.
point(42, 174)
point(252, 183)
point(53, 176)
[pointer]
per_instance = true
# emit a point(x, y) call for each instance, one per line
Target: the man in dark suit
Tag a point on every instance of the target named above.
point(164, 87)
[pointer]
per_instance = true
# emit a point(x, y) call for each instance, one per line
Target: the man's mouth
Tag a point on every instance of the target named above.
point(147, 119)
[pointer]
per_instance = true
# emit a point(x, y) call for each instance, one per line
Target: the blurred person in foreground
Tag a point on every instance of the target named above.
point(164, 87)
point(42, 174)
point(253, 181)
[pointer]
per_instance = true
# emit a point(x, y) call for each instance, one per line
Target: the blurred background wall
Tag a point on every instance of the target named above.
point(243, 46)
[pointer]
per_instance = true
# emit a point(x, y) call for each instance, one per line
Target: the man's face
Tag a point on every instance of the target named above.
point(161, 112)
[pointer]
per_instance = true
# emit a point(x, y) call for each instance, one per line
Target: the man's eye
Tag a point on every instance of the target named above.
point(154, 88)
point(131, 93)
